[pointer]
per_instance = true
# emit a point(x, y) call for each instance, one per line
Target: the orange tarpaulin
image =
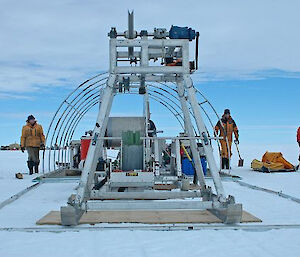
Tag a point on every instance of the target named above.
point(269, 157)
point(272, 162)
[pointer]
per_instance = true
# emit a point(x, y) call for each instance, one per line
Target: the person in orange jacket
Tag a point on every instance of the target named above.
point(225, 130)
point(32, 140)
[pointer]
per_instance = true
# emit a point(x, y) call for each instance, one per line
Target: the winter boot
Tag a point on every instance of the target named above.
point(30, 165)
point(223, 163)
point(36, 168)
point(226, 161)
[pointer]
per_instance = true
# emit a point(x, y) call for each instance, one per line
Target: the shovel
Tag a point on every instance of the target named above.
point(241, 161)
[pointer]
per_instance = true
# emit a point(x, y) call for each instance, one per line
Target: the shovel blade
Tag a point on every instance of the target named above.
point(241, 163)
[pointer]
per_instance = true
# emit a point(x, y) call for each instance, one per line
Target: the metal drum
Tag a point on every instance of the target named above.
point(117, 125)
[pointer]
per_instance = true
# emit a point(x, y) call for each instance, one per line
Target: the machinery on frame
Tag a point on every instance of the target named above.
point(147, 172)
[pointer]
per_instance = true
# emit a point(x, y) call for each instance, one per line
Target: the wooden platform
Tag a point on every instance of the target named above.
point(146, 217)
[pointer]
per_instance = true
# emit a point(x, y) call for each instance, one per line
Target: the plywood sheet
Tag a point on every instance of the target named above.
point(146, 217)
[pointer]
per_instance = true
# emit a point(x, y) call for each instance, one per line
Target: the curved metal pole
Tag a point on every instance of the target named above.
point(83, 113)
point(86, 96)
point(71, 106)
point(73, 117)
point(166, 85)
point(54, 165)
point(96, 102)
point(175, 112)
point(79, 119)
point(156, 86)
point(163, 103)
point(176, 105)
point(219, 119)
point(191, 113)
point(83, 105)
point(67, 107)
point(56, 141)
point(151, 97)
point(213, 127)
point(154, 97)
point(70, 94)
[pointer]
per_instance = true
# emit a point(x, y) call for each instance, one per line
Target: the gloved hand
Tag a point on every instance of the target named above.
point(42, 146)
point(236, 141)
point(23, 149)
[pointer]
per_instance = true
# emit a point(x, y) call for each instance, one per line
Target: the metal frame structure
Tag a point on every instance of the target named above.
point(61, 129)
point(142, 49)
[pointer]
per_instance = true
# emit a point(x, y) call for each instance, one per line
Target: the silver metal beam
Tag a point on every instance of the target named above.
point(205, 141)
point(190, 131)
point(96, 145)
point(145, 195)
point(150, 205)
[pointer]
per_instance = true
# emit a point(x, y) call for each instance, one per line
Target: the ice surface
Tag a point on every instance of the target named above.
point(272, 209)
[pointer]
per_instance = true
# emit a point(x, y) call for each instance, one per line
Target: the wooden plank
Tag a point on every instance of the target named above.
point(172, 186)
point(146, 217)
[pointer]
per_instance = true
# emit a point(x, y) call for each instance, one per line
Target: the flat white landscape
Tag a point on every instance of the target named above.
point(272, 209)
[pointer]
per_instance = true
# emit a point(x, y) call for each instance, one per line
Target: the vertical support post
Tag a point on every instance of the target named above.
point(96, 145)
point(145, 52)
point(156, 156)
point(113, 55)
point(105, 122)
point(185, 56)
point(71, 152)
point(145, 63)
point(121, 154)
point(203, 132)
point(190, 131)
point(147, 117)
point(130, 34)
point(178, 158)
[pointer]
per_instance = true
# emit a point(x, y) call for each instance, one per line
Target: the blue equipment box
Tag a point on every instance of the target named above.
point(182, 33)
point(187, 167)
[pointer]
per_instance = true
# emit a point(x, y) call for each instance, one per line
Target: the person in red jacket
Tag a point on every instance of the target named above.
point(298, 140)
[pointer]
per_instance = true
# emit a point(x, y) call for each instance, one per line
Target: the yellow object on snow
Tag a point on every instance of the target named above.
point(256, 164)
point(270, 157)
point(272, 161)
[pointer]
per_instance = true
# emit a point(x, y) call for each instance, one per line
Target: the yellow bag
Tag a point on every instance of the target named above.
point(258, 165)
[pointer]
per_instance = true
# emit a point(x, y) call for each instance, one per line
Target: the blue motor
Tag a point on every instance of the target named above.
point(182, 33)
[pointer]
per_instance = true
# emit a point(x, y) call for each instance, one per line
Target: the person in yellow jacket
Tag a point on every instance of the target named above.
point(229, 127)
point(32, 140)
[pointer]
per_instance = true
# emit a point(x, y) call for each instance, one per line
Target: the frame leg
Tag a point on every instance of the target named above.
point(203, 132)
point(190, 131)
point(96, 145)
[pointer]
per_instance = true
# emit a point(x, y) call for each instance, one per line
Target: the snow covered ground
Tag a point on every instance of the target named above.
point(24, 212)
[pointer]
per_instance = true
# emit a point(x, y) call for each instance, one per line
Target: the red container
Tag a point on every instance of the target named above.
point(85, 144)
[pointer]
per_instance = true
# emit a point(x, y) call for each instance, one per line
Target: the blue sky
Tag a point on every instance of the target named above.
point(249, 59)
